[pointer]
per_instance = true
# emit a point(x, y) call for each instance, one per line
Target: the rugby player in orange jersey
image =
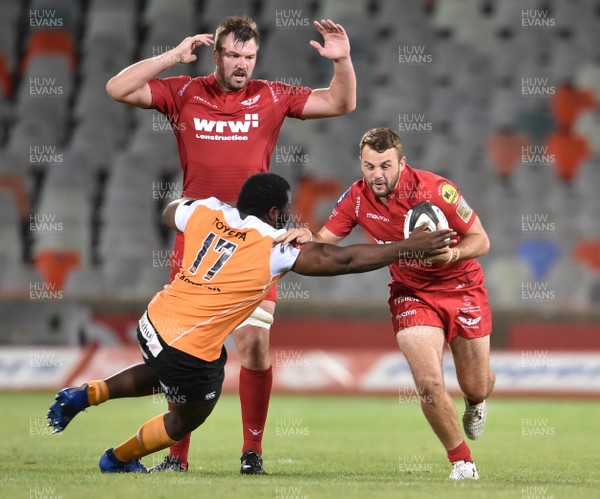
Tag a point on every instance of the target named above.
point(230, 261)
point(226, 126)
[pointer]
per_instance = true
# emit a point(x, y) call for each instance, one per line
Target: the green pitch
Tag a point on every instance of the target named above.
point(314, 447)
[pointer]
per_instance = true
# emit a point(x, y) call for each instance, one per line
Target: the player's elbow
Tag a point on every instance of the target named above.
point(487, 246)
point(484, 245)
point(168, 214)
point(112, 90)
point(165, 214)
point(346, 106)
point(352, 103)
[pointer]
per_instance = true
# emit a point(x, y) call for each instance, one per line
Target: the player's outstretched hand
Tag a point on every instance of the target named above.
point(183, 52)
point(429, 244)
point(336, 44)
point(297, 236)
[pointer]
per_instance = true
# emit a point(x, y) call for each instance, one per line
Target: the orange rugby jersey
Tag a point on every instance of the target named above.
point(229, 263)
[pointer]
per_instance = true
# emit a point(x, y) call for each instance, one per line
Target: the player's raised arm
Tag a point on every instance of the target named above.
point(130, 86)
point(327, 259)
point(340, 97)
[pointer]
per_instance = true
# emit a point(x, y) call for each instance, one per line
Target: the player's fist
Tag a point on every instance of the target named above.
point(182, 54)
point(429, 244)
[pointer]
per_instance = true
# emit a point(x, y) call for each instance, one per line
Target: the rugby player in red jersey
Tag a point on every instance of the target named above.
point(230, 263)
point(226, 126)
point(432, 301)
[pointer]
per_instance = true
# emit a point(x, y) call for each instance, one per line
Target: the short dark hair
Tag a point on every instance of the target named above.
point(261, 192)
point(380, 140)
point(243, 28)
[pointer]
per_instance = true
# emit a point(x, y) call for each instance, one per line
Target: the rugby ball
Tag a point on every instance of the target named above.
point(424, 213)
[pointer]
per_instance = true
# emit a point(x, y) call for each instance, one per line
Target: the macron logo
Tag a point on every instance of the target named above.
point(375, 216)
point(204, 125)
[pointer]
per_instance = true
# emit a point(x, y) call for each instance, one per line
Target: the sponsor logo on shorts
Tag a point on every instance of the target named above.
point(470, 322)
point(210, 396)
point(471, 310)
point(146, 329)
point(403, 299)
point(149, 334)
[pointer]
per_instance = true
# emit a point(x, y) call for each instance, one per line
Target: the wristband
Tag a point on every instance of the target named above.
point(309, 231)
point(454, 255)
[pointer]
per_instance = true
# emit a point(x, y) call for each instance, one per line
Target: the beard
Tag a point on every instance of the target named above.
point(231, 82)
point(383, 190)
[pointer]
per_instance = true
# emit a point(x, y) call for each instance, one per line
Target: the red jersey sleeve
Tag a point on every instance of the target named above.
point(292, 97)
point(343, 217)
point(453, 204)
point(166, 96)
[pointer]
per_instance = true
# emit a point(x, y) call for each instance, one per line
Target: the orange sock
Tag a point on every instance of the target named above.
point(150, 438)
point(97, 392)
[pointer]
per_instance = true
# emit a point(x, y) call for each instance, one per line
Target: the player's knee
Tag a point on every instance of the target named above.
point(479, 391)
point(253, 348)
point(180, 425)
point(430, 388)
point(476, 393)
point(253, 340)
point(176, 427)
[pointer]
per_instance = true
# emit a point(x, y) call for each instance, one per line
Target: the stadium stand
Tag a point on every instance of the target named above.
point(103, 173)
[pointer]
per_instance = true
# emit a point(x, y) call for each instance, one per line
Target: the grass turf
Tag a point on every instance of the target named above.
point(349, 447)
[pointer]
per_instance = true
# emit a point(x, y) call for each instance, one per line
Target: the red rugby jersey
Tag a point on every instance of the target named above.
point(358, 206)
point(223, 138)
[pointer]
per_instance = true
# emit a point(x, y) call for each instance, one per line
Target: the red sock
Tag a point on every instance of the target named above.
point(180, 449)
point(461, 453)
point(255, 393)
